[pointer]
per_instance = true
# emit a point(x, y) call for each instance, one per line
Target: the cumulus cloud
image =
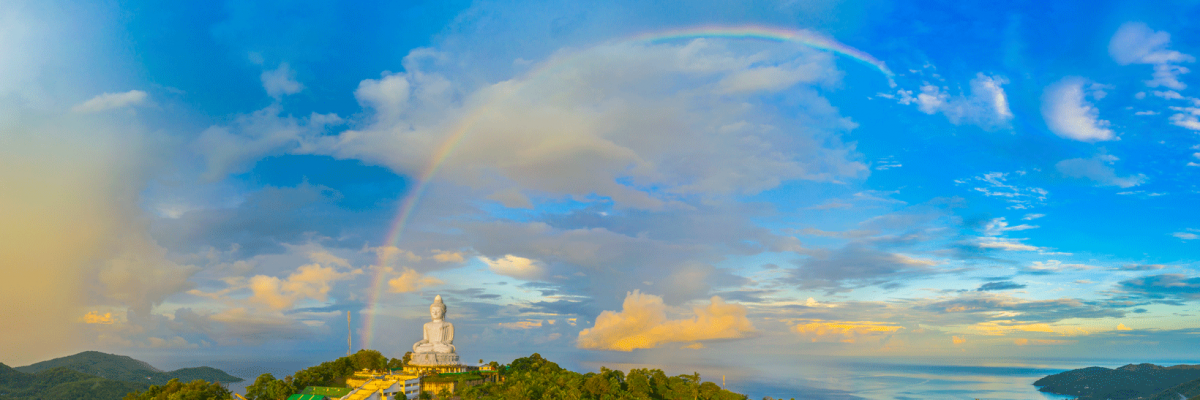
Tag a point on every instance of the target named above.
point(1098, 169)
point(516, 267)
point(1069, 114)
point(311, 281)
point(642, 324)
point(108, 101)
point(1137, 43)
point(1186, 117)
point(986, 105)
point(410, 281)
point(843, 331)
point(281, 81)
point(612, 122)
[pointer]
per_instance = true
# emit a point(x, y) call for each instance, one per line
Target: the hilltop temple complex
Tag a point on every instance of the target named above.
point(434, 367)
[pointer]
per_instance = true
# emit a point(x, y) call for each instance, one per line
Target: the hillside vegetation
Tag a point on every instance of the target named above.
point(127, 369)
point(1140, 381)
point(535, 378)
point(61, 383)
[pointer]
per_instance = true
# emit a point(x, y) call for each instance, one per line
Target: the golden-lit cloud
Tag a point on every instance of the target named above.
point(958, 339)
point(410, 281)
point(447, 256)
point(528, 324)
point(1004, 327)
point(514, 266)
point(843, 331)
point(642, 324)
point(94, 317)
point(1122, 327)
point(312, 281)
point(1025, 342)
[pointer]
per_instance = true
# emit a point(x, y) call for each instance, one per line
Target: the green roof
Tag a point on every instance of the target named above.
point(306, 397)
point(327, 391)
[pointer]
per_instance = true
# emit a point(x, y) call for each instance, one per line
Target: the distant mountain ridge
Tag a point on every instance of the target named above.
point(127, 369)
point(1129, 382)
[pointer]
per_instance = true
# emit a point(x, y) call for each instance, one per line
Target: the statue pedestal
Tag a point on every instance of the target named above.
point(434, 359)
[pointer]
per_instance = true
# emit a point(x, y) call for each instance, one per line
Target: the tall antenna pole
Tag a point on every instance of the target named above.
point(349, 333)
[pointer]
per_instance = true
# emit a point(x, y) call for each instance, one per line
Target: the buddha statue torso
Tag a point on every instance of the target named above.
point(438, 335)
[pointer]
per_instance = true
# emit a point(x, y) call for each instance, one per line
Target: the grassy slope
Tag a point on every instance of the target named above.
point(124, 368)
point(1127, 382)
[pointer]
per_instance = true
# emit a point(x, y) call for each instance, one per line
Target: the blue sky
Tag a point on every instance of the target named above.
point(223, 177)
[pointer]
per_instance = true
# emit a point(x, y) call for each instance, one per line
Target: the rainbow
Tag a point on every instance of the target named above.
point(410, 202)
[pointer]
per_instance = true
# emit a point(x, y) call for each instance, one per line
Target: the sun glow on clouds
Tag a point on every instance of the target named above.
point(410, 281)
point(94, 317)
point(642, 324)
point(843, 331)
point(514, 266)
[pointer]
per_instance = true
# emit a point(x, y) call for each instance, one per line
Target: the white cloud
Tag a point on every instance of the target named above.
point(642, 324)
point(516, 267)
point(1098, 169)
point(986, 106)
point(281, 81)
point(1136, 43)
point(610, 122)
point(1186, 235)
point(1070, 115)
point(1186, 117)
point(996, 184)
point(108, 101)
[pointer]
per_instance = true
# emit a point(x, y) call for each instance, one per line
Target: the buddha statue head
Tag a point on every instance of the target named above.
point(438, 309)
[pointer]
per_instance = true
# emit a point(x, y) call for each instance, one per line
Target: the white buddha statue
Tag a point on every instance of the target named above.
point(438, 334)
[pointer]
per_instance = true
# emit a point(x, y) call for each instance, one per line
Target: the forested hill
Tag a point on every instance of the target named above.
point(124, 368)
point(536, 378)
point(1140, 381)
point(61, 383)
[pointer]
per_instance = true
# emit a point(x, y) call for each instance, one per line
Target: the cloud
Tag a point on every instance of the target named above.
point(1003, 285)
point(516, 267)
point(410, 281)
point(281, 81)
point(108, 101)
point(843, 331)
point(1097, 169)
point(1186, 235)
point(958, 339)
point(1165, 286)
point(1070, 115)
point(986, 106)
point(528, 324)
point(613, 122)
point(448, 256)
point(997, 184)
point(1186, 117)
point(856, 265)
point(311, 281)
point(1042, 342)
point(1139, 267)
point(93, 317)
point(1136, 43)
point(1122, 327)
point(642, 324)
